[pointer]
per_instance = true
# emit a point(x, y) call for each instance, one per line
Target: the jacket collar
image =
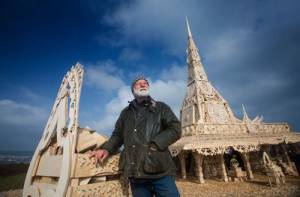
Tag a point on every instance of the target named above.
point(148, 102)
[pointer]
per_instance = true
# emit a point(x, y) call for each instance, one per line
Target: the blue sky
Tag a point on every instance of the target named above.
point(250, 50)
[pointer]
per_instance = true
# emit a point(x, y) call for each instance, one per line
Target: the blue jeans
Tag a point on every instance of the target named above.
point(161, 187)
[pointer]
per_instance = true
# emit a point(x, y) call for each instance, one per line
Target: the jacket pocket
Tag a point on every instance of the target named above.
point(155, 162)
point(122, 160)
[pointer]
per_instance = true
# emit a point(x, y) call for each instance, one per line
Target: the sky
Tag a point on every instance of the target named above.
point(250, 51)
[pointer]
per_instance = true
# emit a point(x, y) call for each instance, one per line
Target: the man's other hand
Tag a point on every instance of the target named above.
point(100, 155)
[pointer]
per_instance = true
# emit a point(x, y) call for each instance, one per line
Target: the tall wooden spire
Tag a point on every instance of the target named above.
point(196, 71)
point(202, 104)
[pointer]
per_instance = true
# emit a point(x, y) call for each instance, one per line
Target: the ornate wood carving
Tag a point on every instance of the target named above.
point(114, 188)
point(86, 166)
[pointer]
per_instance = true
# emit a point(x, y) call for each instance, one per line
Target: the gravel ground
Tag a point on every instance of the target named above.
point(259, 186)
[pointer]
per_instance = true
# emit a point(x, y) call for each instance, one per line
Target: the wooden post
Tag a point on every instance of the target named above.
point(223, 168)
point(247, 165)
point(198, 164)
point(182, 164)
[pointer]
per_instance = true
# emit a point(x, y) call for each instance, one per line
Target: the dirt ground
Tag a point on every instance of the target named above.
point(259, 186)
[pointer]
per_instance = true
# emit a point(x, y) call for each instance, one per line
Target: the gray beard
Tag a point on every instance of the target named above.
point(141, 93)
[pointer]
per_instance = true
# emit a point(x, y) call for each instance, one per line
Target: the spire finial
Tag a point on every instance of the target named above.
point(188, 27)
point(246, 117)
point(243, 109)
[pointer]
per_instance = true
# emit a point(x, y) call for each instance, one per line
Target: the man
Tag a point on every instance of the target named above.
point(146, 128)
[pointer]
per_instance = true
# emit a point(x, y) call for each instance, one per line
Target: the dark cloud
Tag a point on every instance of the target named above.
point(265, 75)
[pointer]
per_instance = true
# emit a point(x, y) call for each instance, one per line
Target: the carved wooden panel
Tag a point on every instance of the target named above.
point(113, 188)
point(206, 89)
point(217, 113)
point(187, 116)
point(87, 167)
point(191, 91)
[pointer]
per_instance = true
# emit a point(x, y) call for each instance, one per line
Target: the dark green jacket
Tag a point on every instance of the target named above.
point(159, 125)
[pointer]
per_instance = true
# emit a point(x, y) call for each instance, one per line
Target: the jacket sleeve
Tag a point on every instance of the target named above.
point(171, 129)
point(116, 139)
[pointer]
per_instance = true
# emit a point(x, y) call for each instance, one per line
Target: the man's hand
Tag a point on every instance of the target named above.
point(100, 155)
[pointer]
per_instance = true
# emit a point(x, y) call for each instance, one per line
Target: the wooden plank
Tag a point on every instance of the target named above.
point(49, 165)
point(99, 139)
point(85, 141)
point(84, 181)
point(88, 139)
point(46, 189)
point(36, 161)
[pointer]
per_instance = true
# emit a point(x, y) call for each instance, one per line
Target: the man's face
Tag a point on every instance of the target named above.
point(141, 85)
point(141, 88)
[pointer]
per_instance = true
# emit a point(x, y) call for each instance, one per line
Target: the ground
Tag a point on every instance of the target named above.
point(259, 186)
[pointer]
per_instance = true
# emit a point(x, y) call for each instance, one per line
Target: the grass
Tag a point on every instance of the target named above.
point(12, 176)
point(12, 182)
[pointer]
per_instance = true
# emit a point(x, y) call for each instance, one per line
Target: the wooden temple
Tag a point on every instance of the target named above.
point(211, 133)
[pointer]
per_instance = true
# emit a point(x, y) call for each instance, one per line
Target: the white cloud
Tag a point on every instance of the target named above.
point(171, 88)
point(117, 104)
point(112, 110)
point(129, 54)
point(104, 76)
point(19, 114)
point(171, 92)
point(174, 73)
